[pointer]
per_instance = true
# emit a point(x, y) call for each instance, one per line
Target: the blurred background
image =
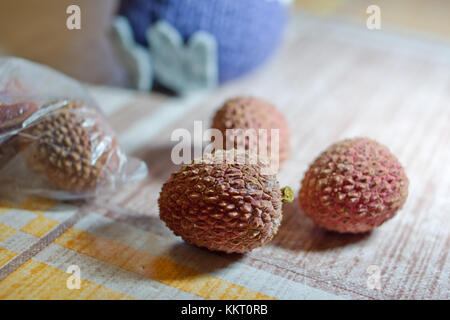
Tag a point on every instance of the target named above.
point(36, 30)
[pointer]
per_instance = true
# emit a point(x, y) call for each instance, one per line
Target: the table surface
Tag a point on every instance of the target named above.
point(332, 80)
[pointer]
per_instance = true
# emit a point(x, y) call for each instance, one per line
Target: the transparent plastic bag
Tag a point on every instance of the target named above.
point(54, 141)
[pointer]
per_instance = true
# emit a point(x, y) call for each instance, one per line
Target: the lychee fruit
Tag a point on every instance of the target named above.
point(353, 186)
point(224, 205)
point(70, 147)
point(254, 113)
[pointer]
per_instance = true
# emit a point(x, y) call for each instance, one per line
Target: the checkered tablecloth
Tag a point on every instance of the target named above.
point(332, 81)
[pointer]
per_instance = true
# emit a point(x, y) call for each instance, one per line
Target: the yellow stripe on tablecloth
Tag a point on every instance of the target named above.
point(6, 231)
point(154, 267)
point(37, 205)
point(40, 226)
point(36, 280)
point(5, 256)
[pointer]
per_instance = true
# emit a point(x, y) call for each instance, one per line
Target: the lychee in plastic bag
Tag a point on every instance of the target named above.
point(54, 141)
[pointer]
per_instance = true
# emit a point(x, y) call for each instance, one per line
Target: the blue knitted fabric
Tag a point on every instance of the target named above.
point(247, 31)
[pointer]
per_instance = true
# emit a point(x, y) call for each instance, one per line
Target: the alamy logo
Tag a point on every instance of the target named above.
point(74, 281)
point(374, 279)
point(261, 142)
point(73, 21)
point(373, 21)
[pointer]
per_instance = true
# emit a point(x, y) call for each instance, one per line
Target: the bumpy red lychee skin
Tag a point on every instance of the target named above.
point(353, 186)
point(223, 207)
point(253, 113)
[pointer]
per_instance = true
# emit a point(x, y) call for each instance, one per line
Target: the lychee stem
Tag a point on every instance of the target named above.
point(287, 194)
